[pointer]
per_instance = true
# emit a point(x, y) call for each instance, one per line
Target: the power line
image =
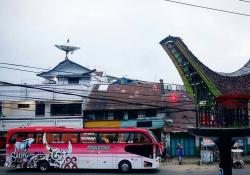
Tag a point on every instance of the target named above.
point(180, 103)
point(24, 70)
point(112, 92)
point(36, 98)
point(208, 8)
point(244, 1)
point(4, 67)
point(83, 96)
point(177, 110)
point(66, 117)
point(39, 117)
point(96, 91)
point(20, 65)
point(96, 98)
point(34, 67)
point(101, 84)
point(107, 97)
point(77, 89)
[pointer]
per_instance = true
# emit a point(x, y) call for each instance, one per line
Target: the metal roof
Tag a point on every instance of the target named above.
point(125, 97)
point(66, 68)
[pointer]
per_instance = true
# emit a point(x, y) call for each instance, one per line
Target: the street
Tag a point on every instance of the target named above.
point(166, 169)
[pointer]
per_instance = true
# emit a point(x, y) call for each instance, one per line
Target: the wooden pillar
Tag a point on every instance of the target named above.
point(224, 145)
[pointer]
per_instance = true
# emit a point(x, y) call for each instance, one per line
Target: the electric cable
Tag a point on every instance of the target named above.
point(208, 8)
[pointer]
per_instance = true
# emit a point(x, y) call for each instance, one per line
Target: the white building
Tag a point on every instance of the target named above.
point(58, 101)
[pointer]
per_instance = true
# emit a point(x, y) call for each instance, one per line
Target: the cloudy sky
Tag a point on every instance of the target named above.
point(121, 37)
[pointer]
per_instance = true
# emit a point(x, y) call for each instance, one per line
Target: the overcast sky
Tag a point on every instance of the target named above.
point(121, 37)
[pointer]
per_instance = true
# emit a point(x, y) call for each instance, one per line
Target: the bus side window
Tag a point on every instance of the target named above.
point(112, 137)
point(31, 136)
point(53, 137)
point(122, 137)
point(130, 138)
point(88, 137)
point(107, 138)
point(103, 138)
point(141, 138)
point(39, 138)
point(17, 137)
point(72, 137)
point(137, 138)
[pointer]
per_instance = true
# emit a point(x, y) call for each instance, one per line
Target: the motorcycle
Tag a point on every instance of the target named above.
point(237, 161)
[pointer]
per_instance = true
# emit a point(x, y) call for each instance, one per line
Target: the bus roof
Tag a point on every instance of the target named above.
point(43, 129)
point(65, 129)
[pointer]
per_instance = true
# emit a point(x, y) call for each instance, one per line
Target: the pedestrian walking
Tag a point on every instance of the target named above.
point(180, 153)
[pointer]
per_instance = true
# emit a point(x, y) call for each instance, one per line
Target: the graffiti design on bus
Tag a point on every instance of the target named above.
point(24, 144)
point(59, 158)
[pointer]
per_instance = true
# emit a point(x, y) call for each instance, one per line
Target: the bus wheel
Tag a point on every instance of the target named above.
point(124, 166)
point(43, 166)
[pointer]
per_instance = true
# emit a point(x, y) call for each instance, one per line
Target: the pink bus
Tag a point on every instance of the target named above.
point(45, 147)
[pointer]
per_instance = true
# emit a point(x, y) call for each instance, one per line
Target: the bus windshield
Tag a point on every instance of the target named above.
point(153, 135)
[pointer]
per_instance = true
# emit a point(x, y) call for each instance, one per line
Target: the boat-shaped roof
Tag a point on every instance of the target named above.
point(232, 85)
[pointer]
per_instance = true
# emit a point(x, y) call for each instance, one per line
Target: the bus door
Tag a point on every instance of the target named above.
point(141, 145)
point(88, 148)
point(106, 154)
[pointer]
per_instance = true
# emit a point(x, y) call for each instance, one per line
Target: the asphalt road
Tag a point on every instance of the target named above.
point(164, 170)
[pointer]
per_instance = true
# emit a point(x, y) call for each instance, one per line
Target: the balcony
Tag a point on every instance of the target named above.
point(7, 123)
point(55, 92)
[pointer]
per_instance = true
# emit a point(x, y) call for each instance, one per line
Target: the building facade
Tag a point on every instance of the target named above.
point(126, 105)
point(58, 101)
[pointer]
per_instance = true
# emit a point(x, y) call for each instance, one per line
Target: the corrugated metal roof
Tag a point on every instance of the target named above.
point(117, 96)
point(179, 110)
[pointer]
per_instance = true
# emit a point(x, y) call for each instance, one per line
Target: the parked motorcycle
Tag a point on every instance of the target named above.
point(237, 158)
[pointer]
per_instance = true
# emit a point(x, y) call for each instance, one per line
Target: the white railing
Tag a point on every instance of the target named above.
point(6, 124)
point(174, 87)
point(57, 92)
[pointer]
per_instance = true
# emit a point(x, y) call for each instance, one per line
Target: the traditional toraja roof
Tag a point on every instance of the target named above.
point(134, 96)
point(180, 112)
point(233, 85)
point(66, 68)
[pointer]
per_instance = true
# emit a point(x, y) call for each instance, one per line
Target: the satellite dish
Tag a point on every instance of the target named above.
point(67, 48)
